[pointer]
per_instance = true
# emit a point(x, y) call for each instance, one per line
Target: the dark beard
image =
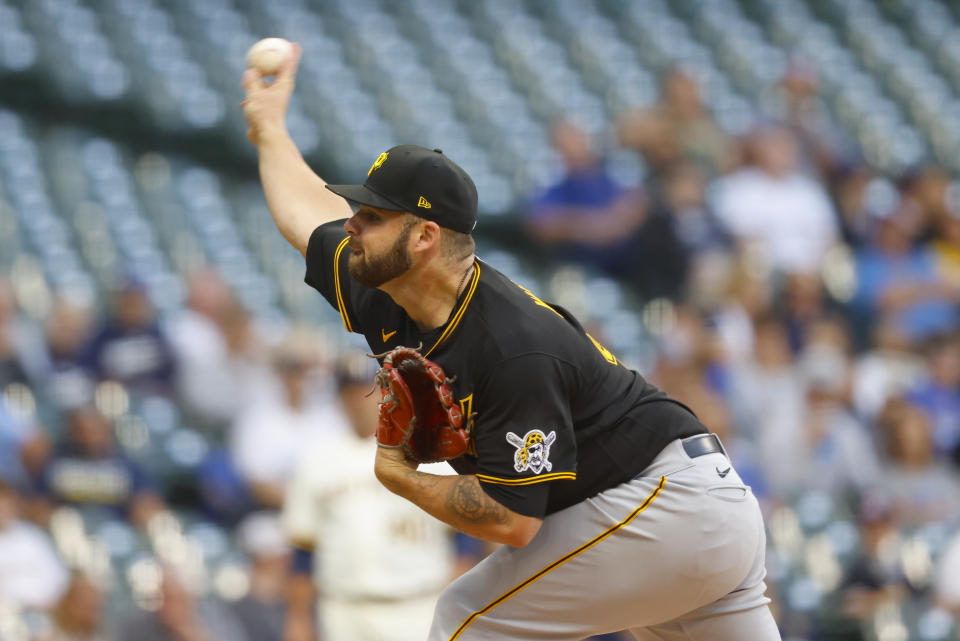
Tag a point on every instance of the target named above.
point(372, 271)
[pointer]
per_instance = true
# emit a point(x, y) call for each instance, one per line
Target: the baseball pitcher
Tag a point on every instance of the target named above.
point(618, 510)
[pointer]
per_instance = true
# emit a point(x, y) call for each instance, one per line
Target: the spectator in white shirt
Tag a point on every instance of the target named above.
point(267, 437)
point(770, 205)
point(888, 369)
point(32, 575)
point(217, 349)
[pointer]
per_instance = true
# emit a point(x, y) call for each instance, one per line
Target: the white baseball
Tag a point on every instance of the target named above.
point(269, 54)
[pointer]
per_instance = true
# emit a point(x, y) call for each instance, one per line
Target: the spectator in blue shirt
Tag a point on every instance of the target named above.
point(67, 331)
point(586, 216)
point(898, 279)
point(589, 218)
point(938, 395)
point(129, 347)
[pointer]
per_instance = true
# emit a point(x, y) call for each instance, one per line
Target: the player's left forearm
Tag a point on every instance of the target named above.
point(458, 501)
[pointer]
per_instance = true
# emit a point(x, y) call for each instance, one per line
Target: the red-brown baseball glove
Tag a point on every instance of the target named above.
point(417, 410)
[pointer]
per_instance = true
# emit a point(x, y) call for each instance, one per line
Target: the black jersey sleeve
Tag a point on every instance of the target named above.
point(327, 256)
point(523, 435)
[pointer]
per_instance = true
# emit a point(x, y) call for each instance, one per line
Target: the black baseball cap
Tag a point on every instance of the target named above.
point(421, 181)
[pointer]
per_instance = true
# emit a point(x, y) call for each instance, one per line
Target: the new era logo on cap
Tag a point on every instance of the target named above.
point(421, 181)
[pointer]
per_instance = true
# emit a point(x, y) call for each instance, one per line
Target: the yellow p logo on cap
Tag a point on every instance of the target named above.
point(382, 158)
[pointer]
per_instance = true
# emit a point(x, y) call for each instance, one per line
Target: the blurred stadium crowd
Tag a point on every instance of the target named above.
point(754, 202)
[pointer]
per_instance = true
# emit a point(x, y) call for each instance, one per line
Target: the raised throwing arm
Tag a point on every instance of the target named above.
point(296, 195)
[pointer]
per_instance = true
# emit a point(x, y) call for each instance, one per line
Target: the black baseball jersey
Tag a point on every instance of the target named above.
point(554, 417)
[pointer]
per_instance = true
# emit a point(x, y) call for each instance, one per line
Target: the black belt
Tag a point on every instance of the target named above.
point(702, 444)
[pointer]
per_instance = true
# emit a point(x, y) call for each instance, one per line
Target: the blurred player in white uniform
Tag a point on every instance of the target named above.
point(377, 561)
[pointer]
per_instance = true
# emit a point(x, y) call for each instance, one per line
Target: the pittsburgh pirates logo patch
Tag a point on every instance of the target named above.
point(533, 450)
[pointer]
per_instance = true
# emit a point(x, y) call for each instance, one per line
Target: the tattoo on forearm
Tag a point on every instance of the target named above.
point(468, 500)
point(425, 481)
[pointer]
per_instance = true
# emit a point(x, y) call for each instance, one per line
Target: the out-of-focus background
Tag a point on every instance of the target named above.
point(753, 202)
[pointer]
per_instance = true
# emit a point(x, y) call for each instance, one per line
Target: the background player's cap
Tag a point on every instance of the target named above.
point(354, 367)
point(419, 180)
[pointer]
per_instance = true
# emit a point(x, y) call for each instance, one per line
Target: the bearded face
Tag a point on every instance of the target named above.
point(374, 270)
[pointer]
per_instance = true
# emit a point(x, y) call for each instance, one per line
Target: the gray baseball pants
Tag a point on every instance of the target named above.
point(676, 554)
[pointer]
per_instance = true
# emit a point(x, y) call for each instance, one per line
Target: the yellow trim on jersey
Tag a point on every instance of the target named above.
point(586, 546)
point(536, 299)
point(530, 480)
point(336, 281)
point(606, 353)
point(463, 307)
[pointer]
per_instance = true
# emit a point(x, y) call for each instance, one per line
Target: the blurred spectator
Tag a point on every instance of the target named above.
point(661, 262)
point(703, 239)
point(216, 350)
point(899, 279)
point(23, 447)
point(381, 562)
point(201, 350)
point(268, 436)
point(938, 392)
point(947, 579)
point(684, 200)
point(874, 576)
point(748, 297)
point(927, 188)
point(248, 358)
point(802, 109)
point(678, 128)
point(770, 205)
point(129, 346)
point(90, 471)
point(920, 488)
point(181, 616)
point(946, 246)
point(67, 331)
point(587, 216)
point(21, 347)
point(686, 351)
point(262, 611)
point(858, 193)
point(887, 369)
point(836, 452)
point(32, 575)
point(767, 401)
point(804, 306)
point(79, 614)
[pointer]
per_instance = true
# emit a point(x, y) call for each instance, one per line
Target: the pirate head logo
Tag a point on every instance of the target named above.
point(533, 450)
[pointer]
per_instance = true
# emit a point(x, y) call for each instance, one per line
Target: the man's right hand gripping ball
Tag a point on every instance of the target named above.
point(417, 410)
point(266, 104)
